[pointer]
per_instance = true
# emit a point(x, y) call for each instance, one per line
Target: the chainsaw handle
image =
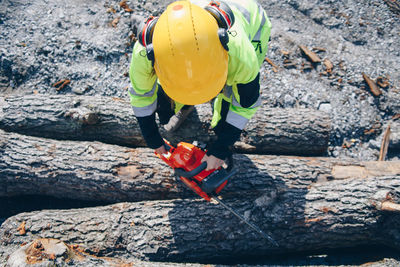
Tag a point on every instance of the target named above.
point(182, 173)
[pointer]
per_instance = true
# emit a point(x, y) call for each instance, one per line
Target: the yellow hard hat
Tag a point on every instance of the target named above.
point(190, 61)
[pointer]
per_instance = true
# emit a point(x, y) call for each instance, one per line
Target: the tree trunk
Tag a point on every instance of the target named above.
point(111, 120)
point(102, 172)
point(300, 212)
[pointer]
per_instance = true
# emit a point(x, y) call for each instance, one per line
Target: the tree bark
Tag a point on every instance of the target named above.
point(110, 173)
point(111, 120)
point(299, 214)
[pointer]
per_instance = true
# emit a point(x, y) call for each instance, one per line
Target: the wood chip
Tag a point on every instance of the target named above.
point(311, 55)
point(347, 144)
point(372, 85)
point(115, 21)
point(289, 65)
point(285, 53)
point(111, 10)
point(321, 49)
point(274, 67)
point(125, 6)
point(328, 65)
point(383, 82)
point(385, 144)
point(61, 84)
point(369, 131)
point(21, 228)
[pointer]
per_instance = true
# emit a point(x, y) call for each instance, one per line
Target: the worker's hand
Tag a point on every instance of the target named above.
point(212, 162)
point(161, 150)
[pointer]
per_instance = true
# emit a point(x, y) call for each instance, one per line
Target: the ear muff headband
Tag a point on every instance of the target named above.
point(145, 31)
point(224, 16)
point(222, 13)
point(145, 36)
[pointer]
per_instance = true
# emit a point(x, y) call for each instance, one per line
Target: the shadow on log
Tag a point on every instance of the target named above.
point(111, 120)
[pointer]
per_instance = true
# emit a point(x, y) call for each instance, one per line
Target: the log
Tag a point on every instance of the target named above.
point(101, 172)
point(80, 170)
point(300, 215)
point(111, 120)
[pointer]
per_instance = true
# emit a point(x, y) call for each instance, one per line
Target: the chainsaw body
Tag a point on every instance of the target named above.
point(185, 159)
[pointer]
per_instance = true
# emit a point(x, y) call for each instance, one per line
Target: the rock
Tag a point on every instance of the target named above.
point(326, 107)
point(394, 144)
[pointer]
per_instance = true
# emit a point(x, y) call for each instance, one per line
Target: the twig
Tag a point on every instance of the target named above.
point(125, 6)
point(385, 144)
point(311, 55)
point(274, 67)
point(61, 84)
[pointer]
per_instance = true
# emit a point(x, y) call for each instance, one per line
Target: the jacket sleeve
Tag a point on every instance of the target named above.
point(143, 95)
point(229, 132)
point(242, 92)
point(243, 83)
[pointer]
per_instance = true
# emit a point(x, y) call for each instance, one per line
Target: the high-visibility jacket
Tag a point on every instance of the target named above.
point(248, 44)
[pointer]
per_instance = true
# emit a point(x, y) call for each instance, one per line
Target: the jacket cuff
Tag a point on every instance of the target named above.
point(219, 151)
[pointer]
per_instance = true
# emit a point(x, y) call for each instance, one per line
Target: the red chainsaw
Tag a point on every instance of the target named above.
point(186, 158)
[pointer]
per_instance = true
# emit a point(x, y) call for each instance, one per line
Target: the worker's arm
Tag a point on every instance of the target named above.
point(143, 95)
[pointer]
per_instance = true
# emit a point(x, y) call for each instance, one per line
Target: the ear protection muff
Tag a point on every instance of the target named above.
point(225, 19)
point(145, 36)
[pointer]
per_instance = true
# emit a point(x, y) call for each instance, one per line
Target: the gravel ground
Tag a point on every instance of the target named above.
point(357, 37)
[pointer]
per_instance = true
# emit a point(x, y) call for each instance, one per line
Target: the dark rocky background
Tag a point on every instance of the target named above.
point(89, 42)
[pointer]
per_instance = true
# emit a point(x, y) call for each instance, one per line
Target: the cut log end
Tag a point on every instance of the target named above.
point(390, 206)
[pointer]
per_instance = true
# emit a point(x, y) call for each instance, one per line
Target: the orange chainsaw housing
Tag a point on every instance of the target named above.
point(188, 157)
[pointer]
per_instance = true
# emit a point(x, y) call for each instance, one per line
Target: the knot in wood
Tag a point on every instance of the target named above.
point(90, 119)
